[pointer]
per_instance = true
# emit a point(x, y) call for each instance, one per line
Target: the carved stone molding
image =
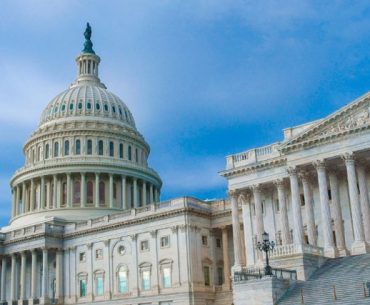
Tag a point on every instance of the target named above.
point(153, 233)
point(232, 193)
point(319, 164)
point(292, 170)
point(174, 229)
point(348, 157)
point(133, 237)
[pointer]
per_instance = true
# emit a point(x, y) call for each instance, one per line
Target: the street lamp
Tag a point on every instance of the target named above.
point(266, 246)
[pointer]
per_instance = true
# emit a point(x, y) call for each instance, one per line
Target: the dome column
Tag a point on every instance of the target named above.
point(24, 190)
point(48, 194)
point(69, 193)
point(151, 197)
point(55, 182)
point(123, 192)
point(97, 190)
point(17, 199)
point(111, 205)
point(42, 193)
point(136, 201)
point(14, 200)
point(59, 192)
point(32, 196)
point(144, 194)
point(83, 190)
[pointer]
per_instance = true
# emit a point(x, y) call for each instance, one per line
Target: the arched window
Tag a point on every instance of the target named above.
point(47, 151)
point(111, 149)
point(78, 147)
point(64, 193)
point(136, 155)
point(122, 280)
point(89, 147)
point(76, 191)
point(66, 148)
point(90, 192)
point(100, 147)
point(129, 153)
point(101, 193)
point(121, 150)
point(99, 284)
point(56, 149)
point(39, 153)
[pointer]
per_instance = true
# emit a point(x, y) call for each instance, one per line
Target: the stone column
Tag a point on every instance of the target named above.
point(69, 190)
point(298, 236)
point(123, 193)
point(14, 200)
point(107, 265)
point(364, 199)
point(3, 279)
point(59, 192)
point(32, 195)
point(49, 200)
point(144, 194)
point(236, 229)
point(17, 198)
point(153, 245)
point(225, 252)
point(12, 278)
point(310, 216)
point(42, 193)
point(135, 276)
point(248, 230)
point(111, 206)
point(34, 275)
point(24, 190)
point(136, 201)
point(359, 245)
point(337, 213)
point(23, 276)
point(329, 248)
point(151, 193)
point(97, 194)
point(59, 275)
point(83, 190)
point(284, 223)
point(259, 213)
point(45, 276)
point(55, 193)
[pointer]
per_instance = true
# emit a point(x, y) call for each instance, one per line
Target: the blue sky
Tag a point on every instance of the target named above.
point(203, 79)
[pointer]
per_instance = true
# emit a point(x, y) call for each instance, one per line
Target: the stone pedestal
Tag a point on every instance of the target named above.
point(265, 291)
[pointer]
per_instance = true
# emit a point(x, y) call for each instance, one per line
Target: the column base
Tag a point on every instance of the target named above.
point(44, 300)
point(33, 301)
point(343, 252)
point(22, 302)
point(359, 247)
point(331, 252)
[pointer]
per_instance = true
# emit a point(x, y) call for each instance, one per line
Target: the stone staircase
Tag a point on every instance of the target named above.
point(346, 274)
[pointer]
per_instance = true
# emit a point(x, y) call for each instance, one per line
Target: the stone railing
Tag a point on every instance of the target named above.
point(291, 249)
point(45, 228)
point(255, 273)
point(252, 156)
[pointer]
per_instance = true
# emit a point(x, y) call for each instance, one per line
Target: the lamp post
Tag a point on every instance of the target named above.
point(266, 246)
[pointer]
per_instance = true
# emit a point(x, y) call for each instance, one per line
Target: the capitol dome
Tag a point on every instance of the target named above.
point(86, 158)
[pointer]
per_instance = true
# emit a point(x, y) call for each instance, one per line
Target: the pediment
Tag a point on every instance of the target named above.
point(351, 118)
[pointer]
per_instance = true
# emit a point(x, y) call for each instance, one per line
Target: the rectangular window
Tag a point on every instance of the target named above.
point(99, 253)
point(144, 245)
point(206, 275)
point(277, 205)
point(329, 194)
point(146, 280)
point(166, 277)
point(220, 275)
point(122, 281)
point(204, 240)
point(111, 149)
point(82, 287)
point(99, 285)
point(89, 147)
point(165, 241)
point(218, 243)
point(82, 256)
point(121, 151)
point(303, 202)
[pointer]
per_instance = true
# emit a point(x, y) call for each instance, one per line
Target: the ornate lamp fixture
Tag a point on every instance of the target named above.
point(266, 246)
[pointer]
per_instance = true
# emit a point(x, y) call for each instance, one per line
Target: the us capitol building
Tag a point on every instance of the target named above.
point(88, 226)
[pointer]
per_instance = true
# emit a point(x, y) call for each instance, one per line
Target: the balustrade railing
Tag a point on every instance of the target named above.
point(290, 249)
point(256, 273)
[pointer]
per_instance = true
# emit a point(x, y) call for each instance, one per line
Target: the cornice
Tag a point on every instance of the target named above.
point(255, 167)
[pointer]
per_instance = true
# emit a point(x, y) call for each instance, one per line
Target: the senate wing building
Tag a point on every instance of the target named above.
point(88, 225)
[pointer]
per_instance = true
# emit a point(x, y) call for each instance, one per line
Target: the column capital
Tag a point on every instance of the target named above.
point(279, 183)
point(244, 197)
point(256, 188)
point(224, 228)
point(348, 157)
point(232, 193)
point(133, 237)
point(292, 170)
point(174, 229)
point(319, 164)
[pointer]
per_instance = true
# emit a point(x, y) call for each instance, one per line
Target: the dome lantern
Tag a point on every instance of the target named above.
point(88, 63)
